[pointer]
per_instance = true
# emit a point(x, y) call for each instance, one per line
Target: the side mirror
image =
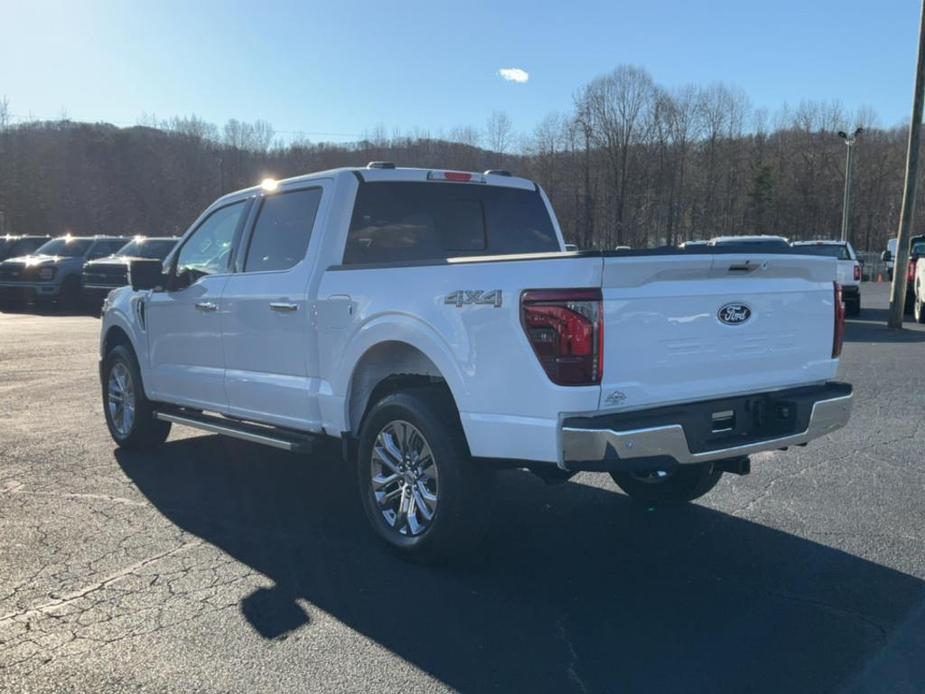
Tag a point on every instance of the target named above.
point(571, 247)
point(886, 256)
point(146, 273)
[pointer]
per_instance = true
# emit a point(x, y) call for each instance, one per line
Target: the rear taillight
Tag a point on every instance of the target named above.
point(566, 329)
point(910, 272)
point(857, 273)
point(839, 334)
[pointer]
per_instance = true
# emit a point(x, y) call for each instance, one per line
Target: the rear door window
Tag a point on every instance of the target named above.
point(283, 229)
point(416, 221)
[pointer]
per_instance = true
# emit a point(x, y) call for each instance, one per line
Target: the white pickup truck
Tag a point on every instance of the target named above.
point(433, 322)
point(847, 268)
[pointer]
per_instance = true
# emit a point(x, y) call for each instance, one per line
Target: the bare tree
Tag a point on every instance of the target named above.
point(617, 105)
point(498, 133)
point(4, 112)
point(261, 136)
point(192, 126)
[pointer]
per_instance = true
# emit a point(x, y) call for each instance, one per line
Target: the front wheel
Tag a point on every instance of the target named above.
point(129, 414)
point(666, 487)
point(420, 489)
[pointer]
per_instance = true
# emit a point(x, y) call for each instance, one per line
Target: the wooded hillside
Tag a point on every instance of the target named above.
point(632, 163)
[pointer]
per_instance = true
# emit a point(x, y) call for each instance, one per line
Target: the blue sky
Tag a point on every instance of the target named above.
point(337, 69)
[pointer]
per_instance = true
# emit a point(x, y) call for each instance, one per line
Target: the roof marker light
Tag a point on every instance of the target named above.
point(269, 184)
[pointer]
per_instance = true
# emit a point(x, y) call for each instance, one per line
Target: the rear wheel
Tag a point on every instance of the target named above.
point(129, 414)
point(420, 489)
point(666, 487)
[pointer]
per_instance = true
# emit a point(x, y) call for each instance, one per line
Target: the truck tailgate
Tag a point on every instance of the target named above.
point(694, 327)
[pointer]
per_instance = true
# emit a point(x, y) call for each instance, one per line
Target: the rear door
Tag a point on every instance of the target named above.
point(266, 323)
point(681, 328)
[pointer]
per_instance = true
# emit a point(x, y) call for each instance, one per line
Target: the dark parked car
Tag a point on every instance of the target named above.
point(14, 246)
point(103, 275)
point(51, 274)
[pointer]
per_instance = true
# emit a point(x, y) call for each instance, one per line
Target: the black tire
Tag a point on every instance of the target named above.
point(70, 295)
point(461, 489)
point(853, 306)
point(144, 431)
point(91, 303)
point(677, 486)
point(7, 302)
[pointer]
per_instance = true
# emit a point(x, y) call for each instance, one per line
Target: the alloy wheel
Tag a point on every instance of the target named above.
point(121, 399)
point(404, 478)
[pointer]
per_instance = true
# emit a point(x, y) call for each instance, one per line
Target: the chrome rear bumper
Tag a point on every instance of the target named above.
point(583, 446)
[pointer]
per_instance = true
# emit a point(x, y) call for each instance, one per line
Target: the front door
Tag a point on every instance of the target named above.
point(267, 326)
point(184, 322)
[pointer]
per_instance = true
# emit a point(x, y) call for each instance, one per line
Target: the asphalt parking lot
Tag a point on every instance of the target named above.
point(214, 565)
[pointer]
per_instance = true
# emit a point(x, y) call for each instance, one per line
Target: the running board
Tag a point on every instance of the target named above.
point(255, 433)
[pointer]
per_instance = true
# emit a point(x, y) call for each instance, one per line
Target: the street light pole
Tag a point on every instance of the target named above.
point(849, 142)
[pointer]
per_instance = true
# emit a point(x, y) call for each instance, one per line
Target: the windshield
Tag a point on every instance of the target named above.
point(67, 247)
point(826, 249)
point(148, 248)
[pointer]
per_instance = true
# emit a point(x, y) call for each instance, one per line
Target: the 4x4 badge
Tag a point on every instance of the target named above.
point(463, 297)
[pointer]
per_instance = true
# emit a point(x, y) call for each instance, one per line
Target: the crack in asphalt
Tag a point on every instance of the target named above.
point(573, 659)
point(98, 585)
point(19, 488)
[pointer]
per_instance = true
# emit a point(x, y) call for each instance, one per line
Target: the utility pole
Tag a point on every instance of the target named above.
point(849, 142)
point(898, 293)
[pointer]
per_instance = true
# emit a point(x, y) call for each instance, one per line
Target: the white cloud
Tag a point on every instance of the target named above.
point(514, 74)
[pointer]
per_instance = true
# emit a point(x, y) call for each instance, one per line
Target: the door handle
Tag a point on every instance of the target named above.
point(206, 306)
point(283, 307)
point(747, 267)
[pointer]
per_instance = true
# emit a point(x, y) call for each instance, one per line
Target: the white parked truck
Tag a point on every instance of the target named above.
point(433, 322)
point(847, 268)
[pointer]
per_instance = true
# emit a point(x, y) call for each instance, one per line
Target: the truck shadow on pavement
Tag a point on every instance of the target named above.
point(577, 590)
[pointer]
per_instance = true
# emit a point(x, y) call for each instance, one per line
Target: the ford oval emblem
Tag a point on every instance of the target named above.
point(734, 314)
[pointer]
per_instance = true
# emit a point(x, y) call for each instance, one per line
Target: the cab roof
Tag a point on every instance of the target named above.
point(383, 171)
